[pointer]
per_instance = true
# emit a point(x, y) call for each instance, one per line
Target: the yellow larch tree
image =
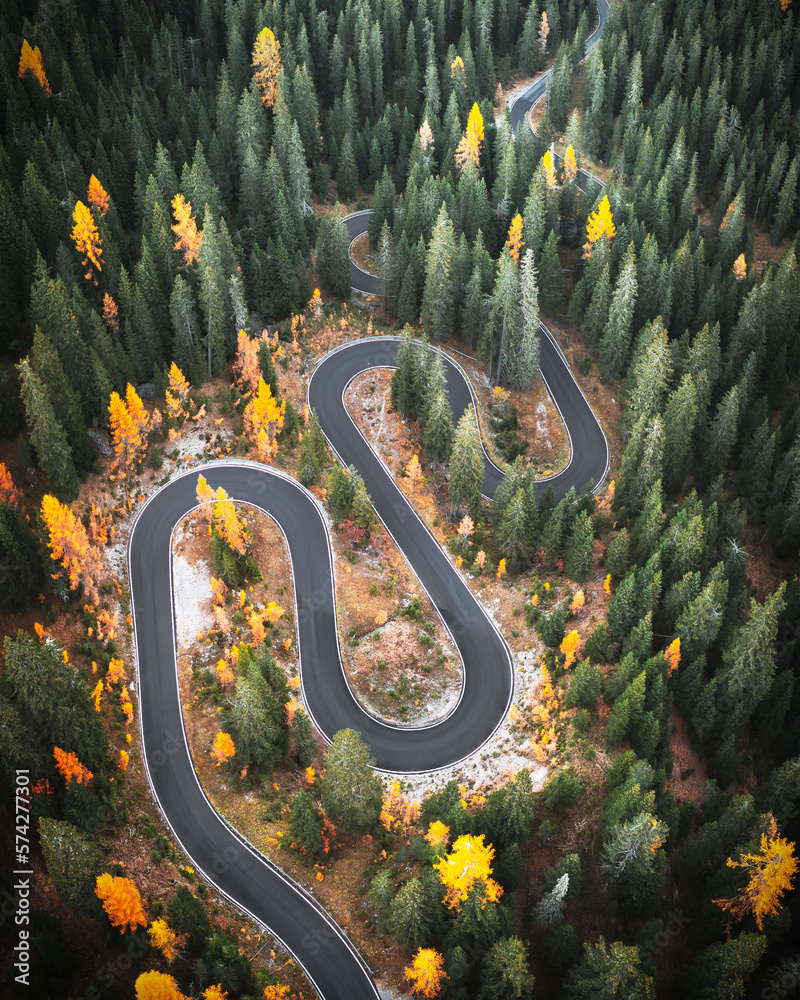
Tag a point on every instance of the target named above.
point(468, 151)
point(544, 31)
point(569, 647)
point(87, 239)
point(569, 164)
point(110, 313)
point(230, 527)
point(69, 767)
point(599, 223)
point(205, 497)
point(263, 419)
point(740, 268)
point(426, 973)
point(438, 833)
point(469, 860)
point(223, 748)
point(515, 241)
point(8, 491)
point(154, 985)
point(549, 169)
point(129, 421)
point(771, 870)
point(189, 238)
point(121, 901)
point(246, 366)
point(672, 655)
point(98, 195)
point(215, 992)
point(69, 544)
point(168, 942)
point(177, 394)
point(31, 59)
point(267, 65)
point(413, 472)
point(426, 138)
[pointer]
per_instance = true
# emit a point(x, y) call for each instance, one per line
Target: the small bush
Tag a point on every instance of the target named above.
point(581, 720)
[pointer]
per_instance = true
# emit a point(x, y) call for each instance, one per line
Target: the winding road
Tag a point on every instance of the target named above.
point(236, 869)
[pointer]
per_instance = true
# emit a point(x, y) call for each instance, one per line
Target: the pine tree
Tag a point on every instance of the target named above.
point(334, 257)
point(305, 824)
point(73, 863)
point(347, 171)
point(606, 970)
point(505, 973)
point(438, 297)
point(784, 212)
point(47, 435)
point(340, 493)
point(439, 432)
point(411, 915)
point(352, 793)
point(549, 911)
point(551, 276)
point(21, 569)
point(680, 416)
point(513, 534)
point(506, 317)
point(616, 340)
point(466, 465)
point(580, 549)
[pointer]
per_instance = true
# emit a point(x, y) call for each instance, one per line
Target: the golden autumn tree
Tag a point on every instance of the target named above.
point(129, 421)
point(771, 873)
point(223, 748)
point(8, 491)
point(69, 544)
point(177, 394)
point(569, 647)
point(31, 59)
point(216, 992)
point(97, 195)
point(168, 942)
point(205, 497)
point(189, 239)
point(438, 834)
point(121, 901)
point(672, 655)
point(740, 268)
point(110, 313)
point(569, 165)
point(87, 240)
point(549, 169)
point(263, 419)
point(544, 31)
point(230, 527)
point(426, 138)
point(426, 972)
point(69, 767)
point(469, 860)
point(515, 241)
point(468, 151)
point(599, 223)
point(278, 991)
point(267, 65)
point(413, 472)
point(154, 985)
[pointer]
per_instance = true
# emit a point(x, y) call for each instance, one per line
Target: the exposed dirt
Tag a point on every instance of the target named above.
point(363, 254)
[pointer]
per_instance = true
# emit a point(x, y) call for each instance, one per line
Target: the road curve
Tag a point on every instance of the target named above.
point(237, 870)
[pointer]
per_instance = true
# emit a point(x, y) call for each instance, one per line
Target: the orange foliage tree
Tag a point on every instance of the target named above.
point(129, 421)
point(771, 871)
point(515, 241)
point(87, 239)
point(413, 472)
point(69, 767)
point(177, 394)
point(600, 222)
point(157, 986)
point(223, 748)
point(121, 901)
point(426, 972)
point(277, 992)
point(31, 59)
point(469, 860)
point(8, 491)
point(398, 809)
point(69, 543)
point(672, 654)
point(110, 313)
point(166, 940)
point(267, 65)
point(230, 527)
point(98, 195)
point(468, 151)
point(216, 992)
point(263, 418)
point(438, 833)
point(189, 239)
point(544, 31)
point(740, 268)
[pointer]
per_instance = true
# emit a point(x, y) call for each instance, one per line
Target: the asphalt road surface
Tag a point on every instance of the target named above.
point(258, 887)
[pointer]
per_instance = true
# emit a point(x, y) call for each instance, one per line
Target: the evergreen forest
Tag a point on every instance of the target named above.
point(174, 180)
